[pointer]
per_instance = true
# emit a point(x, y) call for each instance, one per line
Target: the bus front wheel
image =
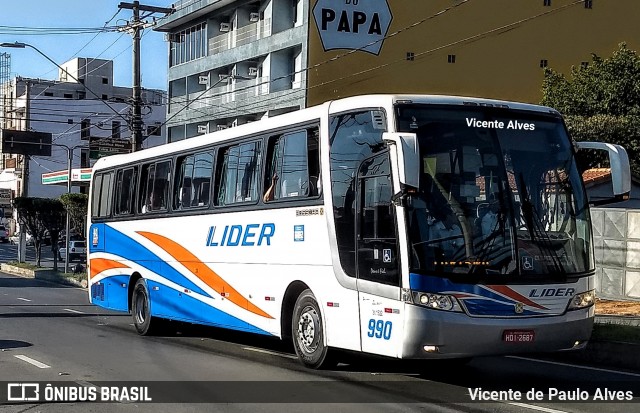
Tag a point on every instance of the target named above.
point(141, 309)
point(308, 333)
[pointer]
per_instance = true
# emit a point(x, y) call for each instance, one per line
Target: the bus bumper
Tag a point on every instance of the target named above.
point(432, 334)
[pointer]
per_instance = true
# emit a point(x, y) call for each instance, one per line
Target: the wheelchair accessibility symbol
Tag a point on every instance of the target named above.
point(386, 255)
point(527, 263)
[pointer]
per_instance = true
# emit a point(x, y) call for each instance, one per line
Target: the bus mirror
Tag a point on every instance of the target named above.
point(408, 156)
point(620, 172)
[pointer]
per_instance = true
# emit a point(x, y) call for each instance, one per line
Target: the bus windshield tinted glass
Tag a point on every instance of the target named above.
point(499, 194)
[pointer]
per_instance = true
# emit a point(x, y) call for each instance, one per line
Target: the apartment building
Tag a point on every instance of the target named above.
point(233, 62)
point(75, 113)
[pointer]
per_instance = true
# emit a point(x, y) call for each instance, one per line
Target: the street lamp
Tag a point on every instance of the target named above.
point(19, 45)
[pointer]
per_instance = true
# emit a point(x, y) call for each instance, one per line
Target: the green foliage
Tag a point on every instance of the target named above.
point(39, 216)
point(76, 204)
point(28, 217)
point(601, 101)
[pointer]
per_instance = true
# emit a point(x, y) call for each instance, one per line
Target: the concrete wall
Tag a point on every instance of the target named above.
point(616, 234)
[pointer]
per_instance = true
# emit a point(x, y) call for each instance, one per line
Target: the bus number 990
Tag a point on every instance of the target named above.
point(379, 329)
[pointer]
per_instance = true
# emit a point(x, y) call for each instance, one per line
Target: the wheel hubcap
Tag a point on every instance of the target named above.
point(140, 308)
point(307, 330)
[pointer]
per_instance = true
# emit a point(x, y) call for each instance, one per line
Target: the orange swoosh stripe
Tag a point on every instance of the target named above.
point(98, 265)
point(202, 271)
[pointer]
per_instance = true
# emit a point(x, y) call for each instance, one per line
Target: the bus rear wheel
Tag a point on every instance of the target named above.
point(308, 333)
point(141, 309)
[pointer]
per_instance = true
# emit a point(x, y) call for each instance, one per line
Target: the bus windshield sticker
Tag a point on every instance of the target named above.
point(298, 233)
point(498, 124)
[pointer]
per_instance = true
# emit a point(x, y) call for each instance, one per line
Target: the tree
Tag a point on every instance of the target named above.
point(76, 204)
point(39, 216)
point(600, 102)
point(53, 216)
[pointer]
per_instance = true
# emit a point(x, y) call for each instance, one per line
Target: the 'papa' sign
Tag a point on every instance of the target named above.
point(352, 24)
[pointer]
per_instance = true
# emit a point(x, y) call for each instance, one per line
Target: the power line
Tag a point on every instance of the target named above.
point(135, 27)
point(503, 28)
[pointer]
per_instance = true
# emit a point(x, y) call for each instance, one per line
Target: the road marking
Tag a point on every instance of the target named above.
point(73, 311)
point(24, 299)
point(32, 361)
point(576, 365)
point(84, 383)
point(538, 408)
point(273, 353)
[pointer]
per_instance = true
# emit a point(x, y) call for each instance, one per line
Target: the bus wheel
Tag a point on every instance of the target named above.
point(140, 309)
point(308, 334)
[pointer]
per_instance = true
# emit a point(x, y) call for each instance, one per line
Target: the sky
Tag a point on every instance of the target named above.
point(16, 16)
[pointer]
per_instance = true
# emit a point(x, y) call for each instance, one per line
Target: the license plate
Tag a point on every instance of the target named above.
point(518, 336)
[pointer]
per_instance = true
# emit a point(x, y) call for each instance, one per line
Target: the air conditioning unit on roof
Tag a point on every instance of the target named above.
point(254, 17)
point(225, 27)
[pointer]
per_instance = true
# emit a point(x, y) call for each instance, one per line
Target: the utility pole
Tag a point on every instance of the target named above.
point(135, 27)
point(24, 188)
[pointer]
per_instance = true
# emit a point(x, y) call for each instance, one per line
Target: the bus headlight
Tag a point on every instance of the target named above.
point(582, 300)
point(436, 301)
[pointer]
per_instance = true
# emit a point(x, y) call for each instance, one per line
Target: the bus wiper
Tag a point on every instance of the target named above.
point(532, 221)
point(489, 241)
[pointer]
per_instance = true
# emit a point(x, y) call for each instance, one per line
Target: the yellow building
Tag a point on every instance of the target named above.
point(485, 48)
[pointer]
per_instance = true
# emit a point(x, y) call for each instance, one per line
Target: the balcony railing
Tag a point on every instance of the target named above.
point(221, 95)
point(241, 36)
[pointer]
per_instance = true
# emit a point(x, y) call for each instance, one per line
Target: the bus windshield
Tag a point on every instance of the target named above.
point(499, 195)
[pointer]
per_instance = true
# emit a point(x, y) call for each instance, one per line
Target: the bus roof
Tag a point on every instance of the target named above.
point(307, 115)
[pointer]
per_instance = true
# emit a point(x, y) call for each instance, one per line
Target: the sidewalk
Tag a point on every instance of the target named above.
point(48, 274)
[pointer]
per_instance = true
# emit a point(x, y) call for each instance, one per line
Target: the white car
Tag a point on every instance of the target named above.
point(15, 238)
point(78, 251)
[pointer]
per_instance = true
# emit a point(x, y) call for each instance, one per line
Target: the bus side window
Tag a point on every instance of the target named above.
point(101, 197)
point(238, 174)
point(293, 168)
point(193, 181)
point(353, 137)
point(106, 195)
point(125, 181)
point(154, 183)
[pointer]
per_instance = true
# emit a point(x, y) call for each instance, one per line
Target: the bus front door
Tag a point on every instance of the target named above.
point(377, 259)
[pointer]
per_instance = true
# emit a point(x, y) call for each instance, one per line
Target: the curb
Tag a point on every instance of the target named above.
point(621, 320)
point(43, 274)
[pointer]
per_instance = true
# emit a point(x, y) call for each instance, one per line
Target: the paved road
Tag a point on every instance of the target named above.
point(9, 252)
point(50, 333)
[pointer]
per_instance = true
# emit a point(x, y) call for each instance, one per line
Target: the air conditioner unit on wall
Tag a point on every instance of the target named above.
point(225, 27)
point(202, 128)
point(254, 17)
point(253, 71)
point(203, 80)
point(221, 127)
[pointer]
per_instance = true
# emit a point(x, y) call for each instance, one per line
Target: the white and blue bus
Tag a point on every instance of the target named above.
point(404, 226)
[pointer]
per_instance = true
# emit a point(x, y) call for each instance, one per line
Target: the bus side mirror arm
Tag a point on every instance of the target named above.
point(408, 155)
point(620, 171)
